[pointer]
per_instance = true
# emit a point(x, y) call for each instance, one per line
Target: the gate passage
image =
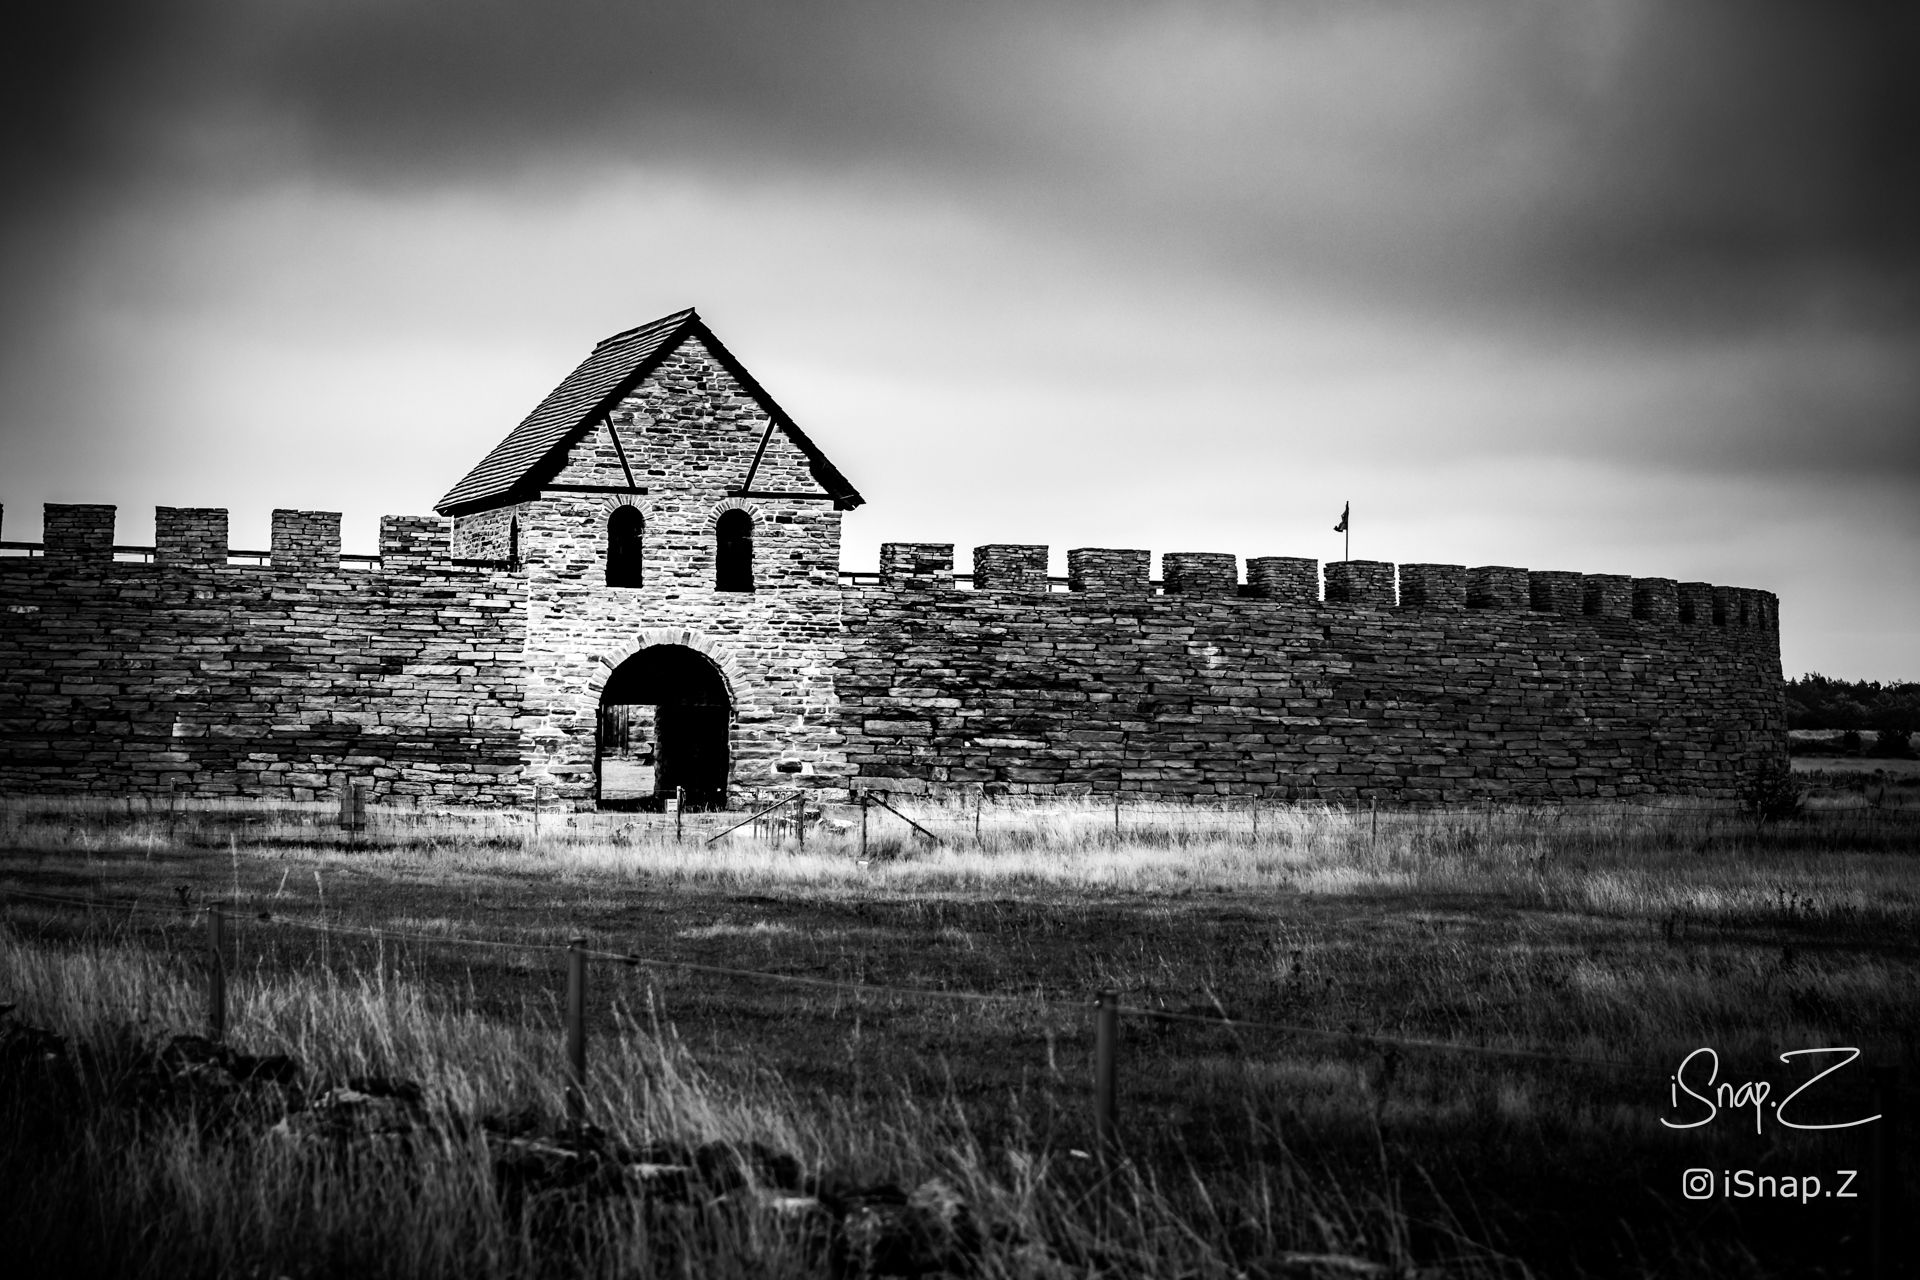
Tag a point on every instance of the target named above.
point(665, 717)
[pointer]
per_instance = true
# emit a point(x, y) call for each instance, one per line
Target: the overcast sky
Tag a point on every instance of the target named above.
point(1626, 286)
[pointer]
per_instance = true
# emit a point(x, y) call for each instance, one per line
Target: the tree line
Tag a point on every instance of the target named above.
point(1815, 701)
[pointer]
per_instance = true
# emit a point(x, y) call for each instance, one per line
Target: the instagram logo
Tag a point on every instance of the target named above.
point(1697, 1184)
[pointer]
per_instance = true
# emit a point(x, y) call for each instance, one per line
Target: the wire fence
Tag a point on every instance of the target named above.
point(220, 918)
point(878, 823)
point(888, 824)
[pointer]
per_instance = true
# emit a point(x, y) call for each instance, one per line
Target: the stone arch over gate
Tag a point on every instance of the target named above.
point(717, 652)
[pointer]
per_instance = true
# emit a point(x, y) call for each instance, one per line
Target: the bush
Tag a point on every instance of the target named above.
point(1772, 794)
point(1892, 743)
point(1849, 742)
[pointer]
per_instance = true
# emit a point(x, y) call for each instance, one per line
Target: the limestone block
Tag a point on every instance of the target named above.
point(190, 535)
point(78, 533)
point(306, 539)
point(414, 542)
point(1498, 586)
point(1108, 570)
point(1433, 586)
point(1656, 600)
point(1199, 573)
point(924, 564)
point(1607, 595)
point(1283, 578)
point(1557, 591)
point(1368, 583)
point(1697, 604)
point(1011, 567)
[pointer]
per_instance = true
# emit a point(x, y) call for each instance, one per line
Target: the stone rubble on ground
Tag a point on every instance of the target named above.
point(863, 1230)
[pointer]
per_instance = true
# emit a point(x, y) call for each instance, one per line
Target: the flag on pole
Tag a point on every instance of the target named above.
point(1344, 511)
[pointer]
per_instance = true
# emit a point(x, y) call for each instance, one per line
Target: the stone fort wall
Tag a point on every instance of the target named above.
point(463, 681)
point(278, 679)
point(1494, 682)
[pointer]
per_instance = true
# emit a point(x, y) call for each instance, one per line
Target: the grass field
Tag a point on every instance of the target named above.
point(1832, 767)
point(1611, 943)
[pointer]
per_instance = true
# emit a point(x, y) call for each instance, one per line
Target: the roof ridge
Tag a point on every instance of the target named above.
point(680, 316)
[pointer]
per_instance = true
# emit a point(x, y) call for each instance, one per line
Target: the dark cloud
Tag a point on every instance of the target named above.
point(1712, 159)
point(69, 76)
point(93, 100)
point(1746, 157)
point(1606, 171)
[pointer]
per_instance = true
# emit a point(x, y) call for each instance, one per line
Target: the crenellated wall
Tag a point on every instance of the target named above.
point(472, 680)
point(276, 680)
point(660, 508)
point(1491, 682)
point(463, 680)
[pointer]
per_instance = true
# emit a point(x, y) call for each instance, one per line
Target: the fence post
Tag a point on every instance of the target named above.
point(1885, 1172)
point(1373, 809)
point(577, 1031)
point(216, 974)
point(679, 808)
point(863, 825)
point(800, 818)
point(353, 809)
point(1106, 1071)
point(979, 800)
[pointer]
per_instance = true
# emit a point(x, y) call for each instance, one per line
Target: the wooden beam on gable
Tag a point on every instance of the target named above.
point(758, 454)
point(619, 450)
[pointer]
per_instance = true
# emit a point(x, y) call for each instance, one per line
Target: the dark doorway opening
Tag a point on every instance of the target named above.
point(664, 722)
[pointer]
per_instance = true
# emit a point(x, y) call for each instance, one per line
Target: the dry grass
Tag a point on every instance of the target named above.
point(1615, 934)
point(165, 1195)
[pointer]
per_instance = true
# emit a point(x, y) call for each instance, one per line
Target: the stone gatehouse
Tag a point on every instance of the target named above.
point(637, 594)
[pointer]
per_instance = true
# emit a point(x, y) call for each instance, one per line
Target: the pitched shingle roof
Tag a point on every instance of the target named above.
point(534, 450)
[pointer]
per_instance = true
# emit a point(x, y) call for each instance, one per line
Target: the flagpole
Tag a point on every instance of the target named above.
point(1346, 534)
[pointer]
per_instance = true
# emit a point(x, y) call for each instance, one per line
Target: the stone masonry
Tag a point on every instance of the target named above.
point(467, 666)
point(687, 435)
point(280, 681)
point(1252, 692)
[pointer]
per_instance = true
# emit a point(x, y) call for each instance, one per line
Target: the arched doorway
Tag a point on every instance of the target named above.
point(664, 721)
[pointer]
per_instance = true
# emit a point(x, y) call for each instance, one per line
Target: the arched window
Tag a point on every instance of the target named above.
point(513, 542)
point(733, 551)
point(626, 529)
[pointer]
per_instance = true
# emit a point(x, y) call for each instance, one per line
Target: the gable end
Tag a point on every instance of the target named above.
point(536, 449)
